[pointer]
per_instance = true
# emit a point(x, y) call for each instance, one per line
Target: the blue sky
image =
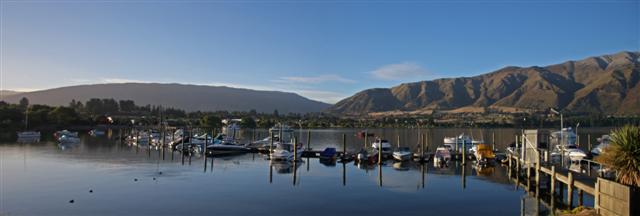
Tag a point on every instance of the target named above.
point(324, 50)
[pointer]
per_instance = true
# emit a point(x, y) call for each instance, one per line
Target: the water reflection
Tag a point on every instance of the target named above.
point(109, 167)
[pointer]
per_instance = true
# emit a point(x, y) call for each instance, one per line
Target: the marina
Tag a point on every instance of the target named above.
point(139, 177)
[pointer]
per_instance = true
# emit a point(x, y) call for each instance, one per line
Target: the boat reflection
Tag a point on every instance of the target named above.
point(285, 167)
point(402, 166)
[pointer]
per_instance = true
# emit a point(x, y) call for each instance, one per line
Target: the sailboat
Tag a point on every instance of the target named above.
point(26, 134)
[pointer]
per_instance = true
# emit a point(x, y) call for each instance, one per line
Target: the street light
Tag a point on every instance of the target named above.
point(561, 120)
point(561, 135)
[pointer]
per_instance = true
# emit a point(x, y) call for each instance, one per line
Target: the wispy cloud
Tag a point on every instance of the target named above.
point(399, 71)
point(315, 79)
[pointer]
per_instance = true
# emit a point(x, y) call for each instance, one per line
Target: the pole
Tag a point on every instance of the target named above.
point(365, 139)
point(493, 141)
point(344, 145)
point(589, 141)
point(295, 150)
point(271, 143)
point(464, 153)
point(309, 139)
point(380, 153)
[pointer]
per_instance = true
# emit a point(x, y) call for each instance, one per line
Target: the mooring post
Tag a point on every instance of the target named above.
point(422, 149)
point(426, 144)
point(309, 139)
point(344, 145)
point(204, 148)
point(398, 141)
point(510, 158)
point(344, 174)
point(570, 190)
point(464, 152)
point(253, 135)
point(365, 139)
point(589, 141)
point(580, 197)
point(380, 155)
point(553, 180)
point(493, 141)
point(295, 150)
point(538, 171)
point(271, 143)
point(182, 143)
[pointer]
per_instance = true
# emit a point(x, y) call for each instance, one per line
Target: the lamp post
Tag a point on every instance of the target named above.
point(561, 135)
point(577, 134)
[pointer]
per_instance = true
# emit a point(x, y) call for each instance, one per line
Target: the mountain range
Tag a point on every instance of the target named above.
point(603, 84)
point(187, 97)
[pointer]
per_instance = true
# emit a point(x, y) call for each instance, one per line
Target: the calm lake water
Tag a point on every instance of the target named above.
point(42, 178)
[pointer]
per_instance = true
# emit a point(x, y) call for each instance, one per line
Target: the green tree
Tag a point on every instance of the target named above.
point(623, 155)
point(127, 106)
point(63, 115)
point(24, 103)
point(94, 106)
point(248, 122)
point(211, 121)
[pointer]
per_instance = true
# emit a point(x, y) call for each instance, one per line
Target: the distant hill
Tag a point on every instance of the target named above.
point(4, 93)
point(603, 84)
point(187, 97)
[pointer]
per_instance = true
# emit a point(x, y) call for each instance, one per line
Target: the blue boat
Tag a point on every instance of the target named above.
point(328, 153)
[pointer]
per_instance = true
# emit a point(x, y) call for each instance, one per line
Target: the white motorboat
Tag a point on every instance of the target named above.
point(285, 151)
point(278, 133)
point(61, 133)
point(564, 144)
point(458, 142)
point(384, 145)
point(571, 151)
point(604, 142)
point(195, 143)
point(441, 156)
point(68, 139)
point(402, 154)
point(226, 147)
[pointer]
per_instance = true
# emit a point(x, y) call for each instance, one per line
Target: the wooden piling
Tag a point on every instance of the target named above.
point(422, 149)
point(380, 155)
point(344, 145)
point(570, 190)
point(204, 148)
point(309, 139)
point(464, 152)
point(398, 141)
point(295, 150)
point(271, 143)
point(580, 197)
point(553, 180)
point(365, 139)
point(538, 171)
point(493, 141)
point(589, 141)
point(344, 174)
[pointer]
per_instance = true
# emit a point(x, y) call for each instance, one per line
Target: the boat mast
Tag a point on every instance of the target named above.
point(26, 119)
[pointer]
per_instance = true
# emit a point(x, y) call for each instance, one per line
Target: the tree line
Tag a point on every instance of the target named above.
point(126, 112)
